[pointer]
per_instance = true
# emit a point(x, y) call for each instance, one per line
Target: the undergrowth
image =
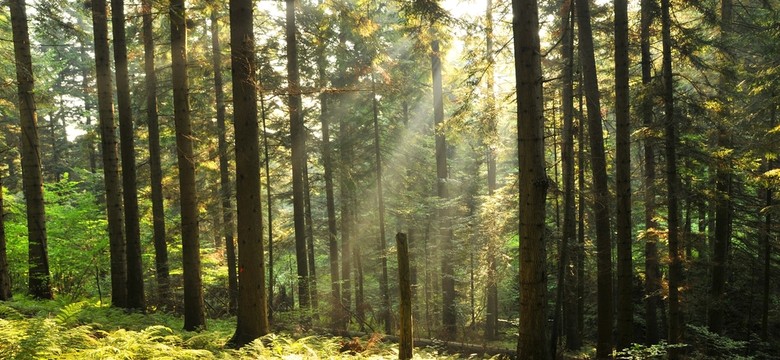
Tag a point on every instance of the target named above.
point(85, 330)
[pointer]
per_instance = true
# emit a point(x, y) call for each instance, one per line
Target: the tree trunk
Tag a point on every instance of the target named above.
point(580, 212)
point(767, 244)
point(310, 237)
point(387, 316)
point(405, 343)
point(252, 301)
point(5, 277)
point(135, 276)
point(652, 271)
point(194, 316)
point(298, 139)
point(723, 207)
point(269, 204)
point(625, 306)
point(155, 167)
point(532, 342)
point(675, 264)
point(600, 189)
point(226, 192)
point(110, 155)
point(491, 316)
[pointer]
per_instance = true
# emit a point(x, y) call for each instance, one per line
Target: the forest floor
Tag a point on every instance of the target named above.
point(32, 329)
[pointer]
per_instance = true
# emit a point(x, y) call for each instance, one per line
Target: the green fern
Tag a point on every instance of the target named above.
point(68, 314)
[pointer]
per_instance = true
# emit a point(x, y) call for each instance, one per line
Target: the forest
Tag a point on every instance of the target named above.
point(428, 179)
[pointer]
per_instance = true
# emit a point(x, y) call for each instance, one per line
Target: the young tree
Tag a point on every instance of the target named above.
point(5, 277)
point(532, 342)
point(600, 189)
point(298, 139)
point(491, 316)
point(155, 177)
point(194, 314)
point(135, 278)
point(224, 175)
point(625, 306)
point(110, 155)
point(252, 301)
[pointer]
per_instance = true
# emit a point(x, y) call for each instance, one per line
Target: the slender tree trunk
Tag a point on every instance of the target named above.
point(5, 277)
point(135, 276)
point(110, 155)
point(580, 213)
point(226, 192)
point(675, 264)
point(723, 207)
point(309, 237)
point(360, 306)
point(252, 301)
point(491, 317)
point(625, 306)
point(346, 184)
point(269, 204)
point(767, 245)
point(158, 209)
point(194, 315)
point(600, 188)
point(387, 316)
point(533, 181)
point(405, 343)
point(569, 244)
point(652, 271)
point(87, 99)
point(297, 134)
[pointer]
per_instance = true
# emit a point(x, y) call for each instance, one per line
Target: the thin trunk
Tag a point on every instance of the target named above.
point(360, 306)
point(346, 184)
point(580, 213)
point(767, 245)
point(600, 188)
point(194, 315)
point(87, 99)
point(405, 343)
point(387, 316)
point(309, 238)
point(135, 275)
point(269, 204)
point(252, 311)
point(5, 277)
point(110, 155)
point(652, 271)
point(675, 265)
point(449, 312)
point(625, 306)
point(491, 320)
point(298, 139)
point(532, 342)
point(723, 207)
point(226, 192)
point(158, 209)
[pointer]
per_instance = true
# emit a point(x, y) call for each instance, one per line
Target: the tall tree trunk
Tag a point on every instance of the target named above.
point(449, 313)
point(194, 315)
point(569, 244)
point(269, 204)
point(652, 271)
point(491, 316)
point(5, 277)
point(767, 243)
point(298, 139)
point(625, 306)
point(87, 99)
point(532, 342)
point(406, 339)
point(110, 155)
point(309, 236)
point(135, 276)
point(675, 264)
point(723, 207)
point(252, 300)
point(600, 188)
point(387, 316)
point(580, 211)
point(346, 183)
point(226, 192)
point(158, 209)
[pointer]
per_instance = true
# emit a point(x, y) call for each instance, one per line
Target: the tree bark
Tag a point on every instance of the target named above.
point(226, 193)
point(110, 155)
point(601, 199)
point(767, 244)
point(156, 177)
point(532, 342)
point(491, 316)
point(269, 204)
point(252, 301)
point(405, 341)
point(5, 277)
point(387, 316)
point(135, 276)
point(309, 236)
point(194, 315)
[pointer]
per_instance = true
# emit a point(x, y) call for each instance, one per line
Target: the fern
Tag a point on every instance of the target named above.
point(69, 313)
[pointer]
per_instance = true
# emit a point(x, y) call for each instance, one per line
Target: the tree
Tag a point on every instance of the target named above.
point(252, 302)
point(491, 316)
point(194, 315)
point(5, 277)
point(155, 167)
point(298, 139)
point(135, 278)
point(110, 153)
point(675, 264)
point(533, 180)
point(386, 311)
point(224, 174)
point(625, 306)
point(600, 188)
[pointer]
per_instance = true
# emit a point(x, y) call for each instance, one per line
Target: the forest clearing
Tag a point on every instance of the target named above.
point(427, 179)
